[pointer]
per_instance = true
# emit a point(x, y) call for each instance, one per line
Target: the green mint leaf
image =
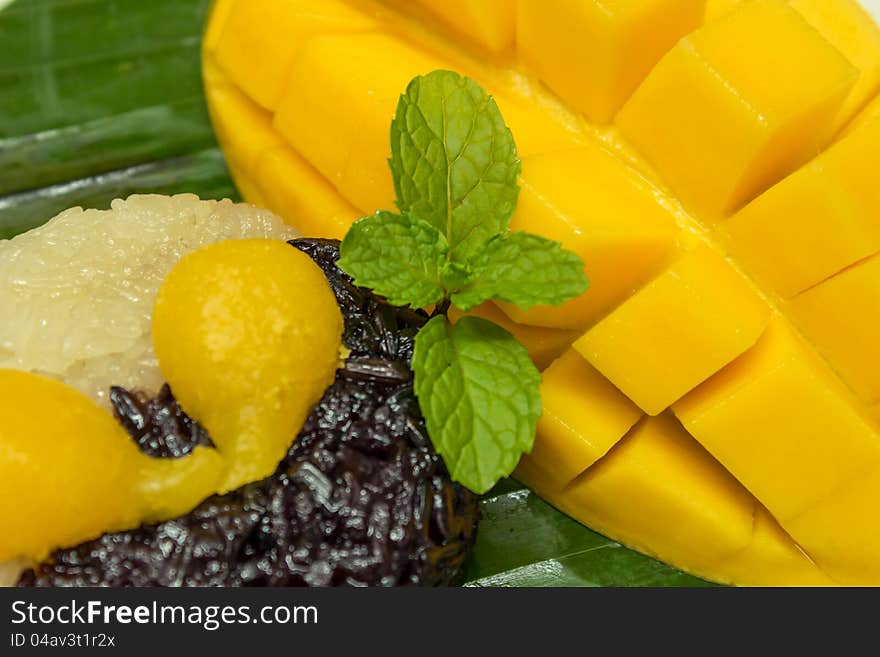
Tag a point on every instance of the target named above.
point(480, 395)
point(525, 270)
point(398, 257)
point(454, 161)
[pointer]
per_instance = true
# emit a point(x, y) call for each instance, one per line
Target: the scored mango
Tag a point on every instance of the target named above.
point(712, 399)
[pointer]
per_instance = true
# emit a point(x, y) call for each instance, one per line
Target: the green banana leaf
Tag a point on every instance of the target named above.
point(100, 99)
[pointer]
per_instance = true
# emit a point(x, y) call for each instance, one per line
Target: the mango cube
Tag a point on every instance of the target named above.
point(842, 534)
point(489, 23)
point(854, 33)
point(243, 128)
point(341, 96)
point(605, 212)
point(533, 130)
point(724, 116)
point(817, 221)
point(846, 25)
point(583, 417)
point(271, 33)
point(543, 344)
point(772, 558)
point(292, 189)
point(214, 29)
point(659, 478)
point(584, 49)
point(782, 424)
point(841, 318)
point(677, 331)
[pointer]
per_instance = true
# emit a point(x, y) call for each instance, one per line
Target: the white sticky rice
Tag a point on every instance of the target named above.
point(78, 291)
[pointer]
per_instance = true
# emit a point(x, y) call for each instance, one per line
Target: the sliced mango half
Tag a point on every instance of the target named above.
point(713, 399)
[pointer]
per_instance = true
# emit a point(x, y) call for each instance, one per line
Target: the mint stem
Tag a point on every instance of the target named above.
point(441, 308)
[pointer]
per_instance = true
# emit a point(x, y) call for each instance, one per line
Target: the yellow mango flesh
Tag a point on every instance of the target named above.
point(869, 114)
point(270, 32)
point(280, 171)
point(844, 524)
point(841, 315)
point(783, 403)
point(53, 490)
point(490, 23)
point(681, 328)
point(730, 112)
point(582, 49)
point(846, 25)
point(718, 133)
point(242, 128)
point(247, 333)
point(818, 221)
point(583, 417)
point(689, 500)
point(73, 473)
point(604, 211)
point(362, 77)
point(772, 558)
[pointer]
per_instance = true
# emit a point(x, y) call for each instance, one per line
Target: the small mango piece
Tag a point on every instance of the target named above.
point(816, 222)
point(604, 211)
point(53, 489)
point(73, 473)
point(848, 28)
point(533, 131)
point(585, 49)
point(841, 531)
point(338, 105)
point(772, 558)
point(292, 189)
point(489, 23)
point(272, 33)
point(214, 29)
point(841, 317)
point(782, 424)
point(243, 129)
point(583, 417)
point(650, 492)
point(677, 331)
point(247, 334)
point(723, 117)
point(660, 478)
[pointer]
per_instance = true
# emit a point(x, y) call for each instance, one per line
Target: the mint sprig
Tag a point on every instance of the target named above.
point(455, 169)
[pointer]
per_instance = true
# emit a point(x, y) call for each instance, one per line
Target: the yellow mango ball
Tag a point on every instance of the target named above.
point(66, 468)
point(247, 334)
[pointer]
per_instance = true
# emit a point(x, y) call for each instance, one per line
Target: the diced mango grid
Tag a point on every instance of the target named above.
point(729, 221)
